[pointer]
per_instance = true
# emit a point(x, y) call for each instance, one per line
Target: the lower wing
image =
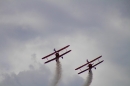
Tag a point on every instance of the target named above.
point(92, 67)
point(64, 53)
point(98, 63)
point(59, 57)
point(50, 60)
point(83, 71)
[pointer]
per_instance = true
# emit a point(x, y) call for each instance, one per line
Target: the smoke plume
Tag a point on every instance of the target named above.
point(89, 79)
point(58, 73)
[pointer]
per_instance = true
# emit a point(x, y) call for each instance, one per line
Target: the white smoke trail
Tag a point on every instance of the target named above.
point(58, 73)
point(89, 79)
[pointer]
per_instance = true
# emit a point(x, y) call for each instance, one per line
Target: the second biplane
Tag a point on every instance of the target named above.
point(90, 65)
point(57, 55)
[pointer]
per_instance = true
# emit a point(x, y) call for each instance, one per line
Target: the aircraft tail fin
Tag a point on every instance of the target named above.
point(55, 50)
point(87, 60)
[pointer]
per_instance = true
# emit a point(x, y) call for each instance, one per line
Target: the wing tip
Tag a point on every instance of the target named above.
point(69, 50)
point(68, 45)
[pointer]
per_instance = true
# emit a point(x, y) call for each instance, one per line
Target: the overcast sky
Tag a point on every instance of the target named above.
point(31, 29)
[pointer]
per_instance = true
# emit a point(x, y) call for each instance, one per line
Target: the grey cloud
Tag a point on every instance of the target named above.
point(94, 14)
point(10, 37)
point(33, 77)
point(93, 22)
point(75, 81)
point(36, 77)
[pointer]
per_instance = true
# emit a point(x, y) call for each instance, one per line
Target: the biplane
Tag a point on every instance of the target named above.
point(57, 55)
point(90, 65)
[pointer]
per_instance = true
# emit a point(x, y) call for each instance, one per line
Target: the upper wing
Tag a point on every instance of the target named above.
point(93, 66)
point(56, 51)
point(48, 55)
point(81, 66)
point(88, 62)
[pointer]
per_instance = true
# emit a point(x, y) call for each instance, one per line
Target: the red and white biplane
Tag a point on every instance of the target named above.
point(90, 65)
point(57, 56)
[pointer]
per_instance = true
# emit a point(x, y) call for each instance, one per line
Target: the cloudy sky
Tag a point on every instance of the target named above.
point(31, 29)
